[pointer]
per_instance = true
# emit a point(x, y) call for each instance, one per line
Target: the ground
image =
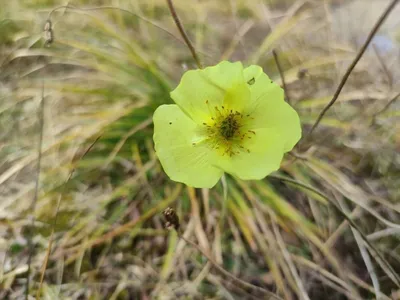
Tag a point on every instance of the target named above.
point(325, 226)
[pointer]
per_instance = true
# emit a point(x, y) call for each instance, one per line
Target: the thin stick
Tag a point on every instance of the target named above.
point(364, 254)
point(286, 255)
point(49, 247)
point(36, 192)
point(183, 33)
point(384, 66)
point(354, 63)
point(177, 21)
point(71, 7)
point(278, 65)
point(229, 275)
point(387, 105)
point(372, 248)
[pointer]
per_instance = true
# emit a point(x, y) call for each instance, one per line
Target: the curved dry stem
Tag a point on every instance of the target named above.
point(224, 272)
point(375, 253)
point(36, 192)
point(281, 74)
point(71, 7)
point(354, 63)
point(391, 101)
point(49, 247)
point(385, 69)
point(183, 33)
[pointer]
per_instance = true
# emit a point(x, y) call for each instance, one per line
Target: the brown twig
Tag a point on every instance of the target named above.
point(278, 65)
point(83, 9)
point(224, 272)
point(183, 33)
point(385, 69)
point(172, 223)
point(354, 63)
point(387, 105)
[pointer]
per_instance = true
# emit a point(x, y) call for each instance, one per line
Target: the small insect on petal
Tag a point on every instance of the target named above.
point(251, 81)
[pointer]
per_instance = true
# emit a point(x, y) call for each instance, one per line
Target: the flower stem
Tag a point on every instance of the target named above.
point(183, 33)
point(280, 70)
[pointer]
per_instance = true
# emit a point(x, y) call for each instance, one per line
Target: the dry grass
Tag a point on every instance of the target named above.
point(326, 226)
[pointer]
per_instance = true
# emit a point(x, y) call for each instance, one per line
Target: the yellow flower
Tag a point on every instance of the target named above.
point(226, 119)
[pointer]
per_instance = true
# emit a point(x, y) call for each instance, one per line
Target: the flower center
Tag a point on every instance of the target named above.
point(229, 126)
point(226, 131)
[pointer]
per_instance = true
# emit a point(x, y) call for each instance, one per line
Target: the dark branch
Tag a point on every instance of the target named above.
point(172, 222)
point(278, 65)
point(384, 66)
point(354, 63)
point(234, 279)
point(183, 33)
point(387, 105)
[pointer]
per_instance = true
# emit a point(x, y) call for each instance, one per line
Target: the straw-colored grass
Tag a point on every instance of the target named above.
point(326, 226)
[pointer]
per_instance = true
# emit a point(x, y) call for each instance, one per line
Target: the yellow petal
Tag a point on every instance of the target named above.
point(264, 156)
point(268, 108)
point(174, 135)
point(200, 91)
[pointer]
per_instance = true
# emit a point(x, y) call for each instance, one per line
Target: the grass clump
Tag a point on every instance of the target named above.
point(324, 227)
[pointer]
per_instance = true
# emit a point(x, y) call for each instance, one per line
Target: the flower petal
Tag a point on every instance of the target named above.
point(265, 156)
point(200, 91)
point(174, 134)
point(268, 108)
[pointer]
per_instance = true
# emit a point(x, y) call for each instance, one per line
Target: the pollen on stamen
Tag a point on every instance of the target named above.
point(225, 131)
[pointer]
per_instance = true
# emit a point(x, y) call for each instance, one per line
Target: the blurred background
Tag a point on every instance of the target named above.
point(82, 93)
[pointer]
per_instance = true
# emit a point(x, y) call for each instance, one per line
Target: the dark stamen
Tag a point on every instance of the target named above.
point(229, 127)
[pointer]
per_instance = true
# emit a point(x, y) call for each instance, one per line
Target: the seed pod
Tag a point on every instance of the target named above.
point(172, 220)
point(48, 33)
